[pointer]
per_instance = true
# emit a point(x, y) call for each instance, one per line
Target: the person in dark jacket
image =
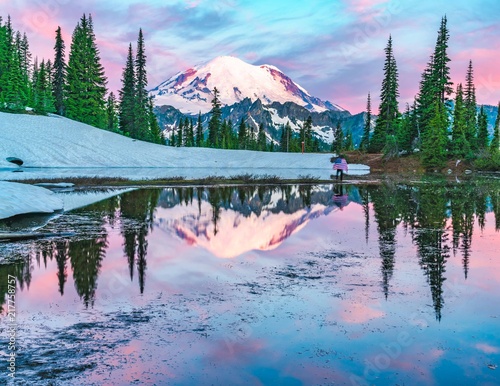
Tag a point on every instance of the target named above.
point(340, 165)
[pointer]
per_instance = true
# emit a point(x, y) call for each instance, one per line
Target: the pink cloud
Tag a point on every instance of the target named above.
point(358, 313)
point(486, 348)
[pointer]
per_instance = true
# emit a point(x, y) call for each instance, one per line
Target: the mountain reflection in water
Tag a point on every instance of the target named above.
point(229, 221)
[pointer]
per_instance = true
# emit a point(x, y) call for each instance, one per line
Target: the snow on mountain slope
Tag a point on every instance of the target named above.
point(56, 142)
point(191, 91)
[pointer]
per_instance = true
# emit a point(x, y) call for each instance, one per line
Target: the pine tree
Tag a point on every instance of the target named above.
point(59, 81)
point(408, 130)
point(141, 93)
point(111, 113)
point(189, 133)
point(435, 143)
point(44, 101)
point(156, 134)
point(286, 138)
point(242, 135)
point(86, 83)
point(214, 123)
point(308, 137)
point(436, 85)
point(387, 120)
point(199, 132)
point(495, 142)
point(127, 98)
point(348, 141)
point(180, 133)
point(261, 140)
point(365, 140)
point(460, 147)
point(470, 108)
point(482, 130)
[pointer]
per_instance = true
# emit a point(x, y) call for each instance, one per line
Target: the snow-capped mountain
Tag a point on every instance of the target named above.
point(191, 91)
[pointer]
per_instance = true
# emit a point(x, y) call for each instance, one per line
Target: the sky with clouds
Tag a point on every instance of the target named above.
point(333, 48)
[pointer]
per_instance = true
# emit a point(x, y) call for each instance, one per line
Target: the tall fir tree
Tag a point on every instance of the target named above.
point(156, 135)
point(441, 70)
point(482, 130)
point(470, 108)
point(387, 120)
point(190, 134)
point(180, 133)
point(308, 140)
point(460, 147)
point(127, 97)
point(495, 142)
point(365, 139)
point(111, 113)
point(286, 138)
point(42, 89)
point(86, 82)
point(242, 135)
point(434, 145)
point(199, 132)
point(141, 93)
point(214, 123)
point(59, 79)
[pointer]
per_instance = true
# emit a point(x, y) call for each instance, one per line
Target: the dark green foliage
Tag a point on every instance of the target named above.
point(387, 121)
point(348, 141)
point(111, 113)
point(214, 125)
point(365, 140)
point(460, 147)
point(189, 141)
point(180, 133)
point(156, 135)
point(495, 142)
point(42, 92)
point(127, 97)
point(141, 94)
point(286, 138)
point(242, 135)
point(199, 132)
point(434, 145)
point(86, 83)
point(470, 106)
point(59, 77)
point(482, 130)
point(407, 132)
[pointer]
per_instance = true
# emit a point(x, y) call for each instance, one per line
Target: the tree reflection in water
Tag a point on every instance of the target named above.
point(439, 217)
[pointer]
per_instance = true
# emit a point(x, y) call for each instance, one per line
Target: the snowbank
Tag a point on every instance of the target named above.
point(18, 198)
point(56, 142)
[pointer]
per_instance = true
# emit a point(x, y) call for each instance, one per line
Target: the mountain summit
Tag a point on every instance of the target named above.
point(191, 91)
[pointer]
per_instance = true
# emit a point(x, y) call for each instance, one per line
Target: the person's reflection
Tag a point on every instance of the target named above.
point(340, 198)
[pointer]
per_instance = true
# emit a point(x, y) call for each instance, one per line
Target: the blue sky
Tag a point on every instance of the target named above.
point(334, 49)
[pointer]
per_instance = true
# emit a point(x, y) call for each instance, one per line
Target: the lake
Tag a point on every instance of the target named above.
point(370, 284)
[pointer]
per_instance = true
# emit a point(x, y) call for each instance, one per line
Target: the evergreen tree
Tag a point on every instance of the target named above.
point(308, 137)
point(436, 85)
point(189, 133)
point(141, 93)
point(482, 130)
point(127, 98)
point(460, 147)
point(214, 123)
point(261, 140)
point(365, 140)
point(408, 130)
point(387, 120)
point(44, 101)
point(154, 128)
point(111, 113)
point(495, 143)
point(348, 141)
point(199, 132)
point(86, 83)
point(434, 145)
point(180, 133)
point(286, 138)
point(59, 80)
point(470, 108)
point(242, 135)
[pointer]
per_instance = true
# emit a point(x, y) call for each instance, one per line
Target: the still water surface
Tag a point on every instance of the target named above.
point(294, 285)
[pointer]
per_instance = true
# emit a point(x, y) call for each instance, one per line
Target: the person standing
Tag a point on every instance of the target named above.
point(340, 165)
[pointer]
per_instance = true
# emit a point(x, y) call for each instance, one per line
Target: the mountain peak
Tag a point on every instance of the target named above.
point(191, 91)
